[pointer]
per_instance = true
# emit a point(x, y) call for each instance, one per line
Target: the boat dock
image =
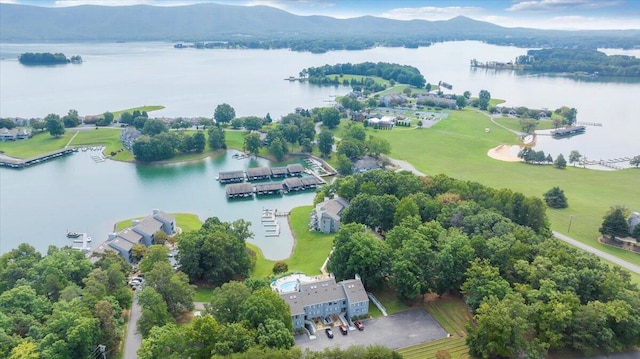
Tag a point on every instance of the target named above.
point(294, 184)
point(83, 244)
point(21, 163)
point(569, 131)
point(260, 173)
point(270, 222)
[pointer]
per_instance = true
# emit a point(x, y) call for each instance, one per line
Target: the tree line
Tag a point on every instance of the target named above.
point(580, 60)
point(47, 58)
point(529, 293)
point(403, 74)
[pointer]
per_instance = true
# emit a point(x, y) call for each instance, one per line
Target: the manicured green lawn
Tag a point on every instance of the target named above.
point(117, 114)
point(514, 123)
point(40, 143)
point(458, 148)
point(310, 251)
point(377, 79)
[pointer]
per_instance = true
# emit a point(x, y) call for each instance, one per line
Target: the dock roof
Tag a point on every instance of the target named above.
point(295, 168)
point(279, 171)
point(237, 188)
point(258, 172)
point(273, 186)
point(293, 183)
point(308, 181)
point(226, 175)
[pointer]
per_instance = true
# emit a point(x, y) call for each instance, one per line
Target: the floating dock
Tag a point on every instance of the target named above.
point(21, 163)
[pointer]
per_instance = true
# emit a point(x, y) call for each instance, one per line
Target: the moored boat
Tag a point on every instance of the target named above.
point(73, 234)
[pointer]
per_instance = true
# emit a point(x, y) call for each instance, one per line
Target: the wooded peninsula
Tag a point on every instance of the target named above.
point(574, 61)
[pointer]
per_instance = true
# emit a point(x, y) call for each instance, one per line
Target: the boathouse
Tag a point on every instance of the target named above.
point(258, 173)
point(569, 131)
point(311, 182)
point(277, 172)
point(293, 184)
point(295, 169)
point(239, 190)
point(231, 176)
point(269, 188)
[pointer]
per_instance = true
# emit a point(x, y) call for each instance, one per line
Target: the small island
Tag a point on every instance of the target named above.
point(576, 62)
point(47, 58)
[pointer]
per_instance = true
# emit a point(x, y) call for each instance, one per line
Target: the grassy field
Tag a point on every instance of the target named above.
point(341, 78)
point(514, 123)
point(310, 251)
point(458, 148)
point(148, 109)
point(453, 315)
point(41, 143)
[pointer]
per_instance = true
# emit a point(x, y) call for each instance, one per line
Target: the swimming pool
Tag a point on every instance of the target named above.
point(288, 286)
point(290, 282)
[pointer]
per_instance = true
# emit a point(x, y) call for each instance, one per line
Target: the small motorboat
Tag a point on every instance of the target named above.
point(73, 234)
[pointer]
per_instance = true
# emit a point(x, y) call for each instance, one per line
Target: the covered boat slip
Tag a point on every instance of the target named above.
point(279, 172)
point(269, 188)
point(231, 176)
point(239, 190)
point(258, 173)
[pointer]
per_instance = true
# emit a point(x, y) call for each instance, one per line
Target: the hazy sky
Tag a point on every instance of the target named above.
point(543, 14)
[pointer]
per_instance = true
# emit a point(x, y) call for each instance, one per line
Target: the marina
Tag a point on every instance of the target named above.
point(569, 131)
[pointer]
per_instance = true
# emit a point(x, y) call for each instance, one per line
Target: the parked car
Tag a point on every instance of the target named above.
point(358, 324)
point(329, 333)
point(343, 329)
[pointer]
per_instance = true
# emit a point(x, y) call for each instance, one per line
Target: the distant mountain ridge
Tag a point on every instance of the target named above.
point(209, 22)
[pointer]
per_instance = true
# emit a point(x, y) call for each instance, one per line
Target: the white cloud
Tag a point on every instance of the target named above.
point(66, 3)
point(431, 13)
point(8, 1)
point(554, 5)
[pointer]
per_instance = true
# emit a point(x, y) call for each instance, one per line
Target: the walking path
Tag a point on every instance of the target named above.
point(71, 139)
point(622, 263)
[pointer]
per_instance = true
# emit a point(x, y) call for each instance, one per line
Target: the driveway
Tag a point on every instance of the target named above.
point(622, 263)
point(133, 341)
point(396, 331)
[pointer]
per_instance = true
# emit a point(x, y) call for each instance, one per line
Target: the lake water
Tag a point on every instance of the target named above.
point(38, 204)
point(41, 203)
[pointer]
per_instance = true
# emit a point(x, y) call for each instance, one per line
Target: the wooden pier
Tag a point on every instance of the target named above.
point(21, 163)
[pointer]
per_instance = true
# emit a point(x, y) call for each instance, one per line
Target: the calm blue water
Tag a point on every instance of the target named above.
point(41, 203)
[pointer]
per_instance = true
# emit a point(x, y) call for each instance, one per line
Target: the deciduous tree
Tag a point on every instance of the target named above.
point(325, 143)
point(224, 113)
point(54, 125)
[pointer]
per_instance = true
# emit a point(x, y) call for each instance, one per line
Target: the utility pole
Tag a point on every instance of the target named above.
point(570, 220)
point(102, 349)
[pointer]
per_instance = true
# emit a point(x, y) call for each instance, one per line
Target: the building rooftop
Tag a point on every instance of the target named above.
point(258, 172)
point(148, 225)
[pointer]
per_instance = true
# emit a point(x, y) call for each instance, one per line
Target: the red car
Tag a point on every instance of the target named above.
point(358, 324)
point(343, 329)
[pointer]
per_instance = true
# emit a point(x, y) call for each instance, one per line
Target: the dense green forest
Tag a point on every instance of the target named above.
point(580, 60)
point(47, 58)
point(403, 74)
point(61, 305)
point(530, 294)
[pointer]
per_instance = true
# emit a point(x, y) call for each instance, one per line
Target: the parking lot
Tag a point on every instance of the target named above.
point(396, 331)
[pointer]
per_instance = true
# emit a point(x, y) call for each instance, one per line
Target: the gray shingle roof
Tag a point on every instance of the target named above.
point(160, 215)
point(121, 243)
point(355, 290)
point(148, 226)
point(130, 235)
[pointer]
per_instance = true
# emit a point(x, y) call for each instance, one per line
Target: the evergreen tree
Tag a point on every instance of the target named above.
point(555, 198)
point(560, 162)
point(615, 223)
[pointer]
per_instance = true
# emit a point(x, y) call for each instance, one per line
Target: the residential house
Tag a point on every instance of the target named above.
point(393, 99)
point(325, 217)
point(634, 221)
point(141, 232)
point(367, 163)
point(325, 297)
point(129, 136)
point(430, 99)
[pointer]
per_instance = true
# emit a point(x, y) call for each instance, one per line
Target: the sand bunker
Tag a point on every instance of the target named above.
point(503, 153)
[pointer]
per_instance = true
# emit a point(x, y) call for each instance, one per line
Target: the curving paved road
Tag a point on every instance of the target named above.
point(622, 263)
point(133, 341)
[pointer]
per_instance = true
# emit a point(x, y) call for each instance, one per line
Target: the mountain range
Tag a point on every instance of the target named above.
point(215, 22)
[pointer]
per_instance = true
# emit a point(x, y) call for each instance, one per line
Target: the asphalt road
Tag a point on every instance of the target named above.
point(622, 263)
point(133, 341)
